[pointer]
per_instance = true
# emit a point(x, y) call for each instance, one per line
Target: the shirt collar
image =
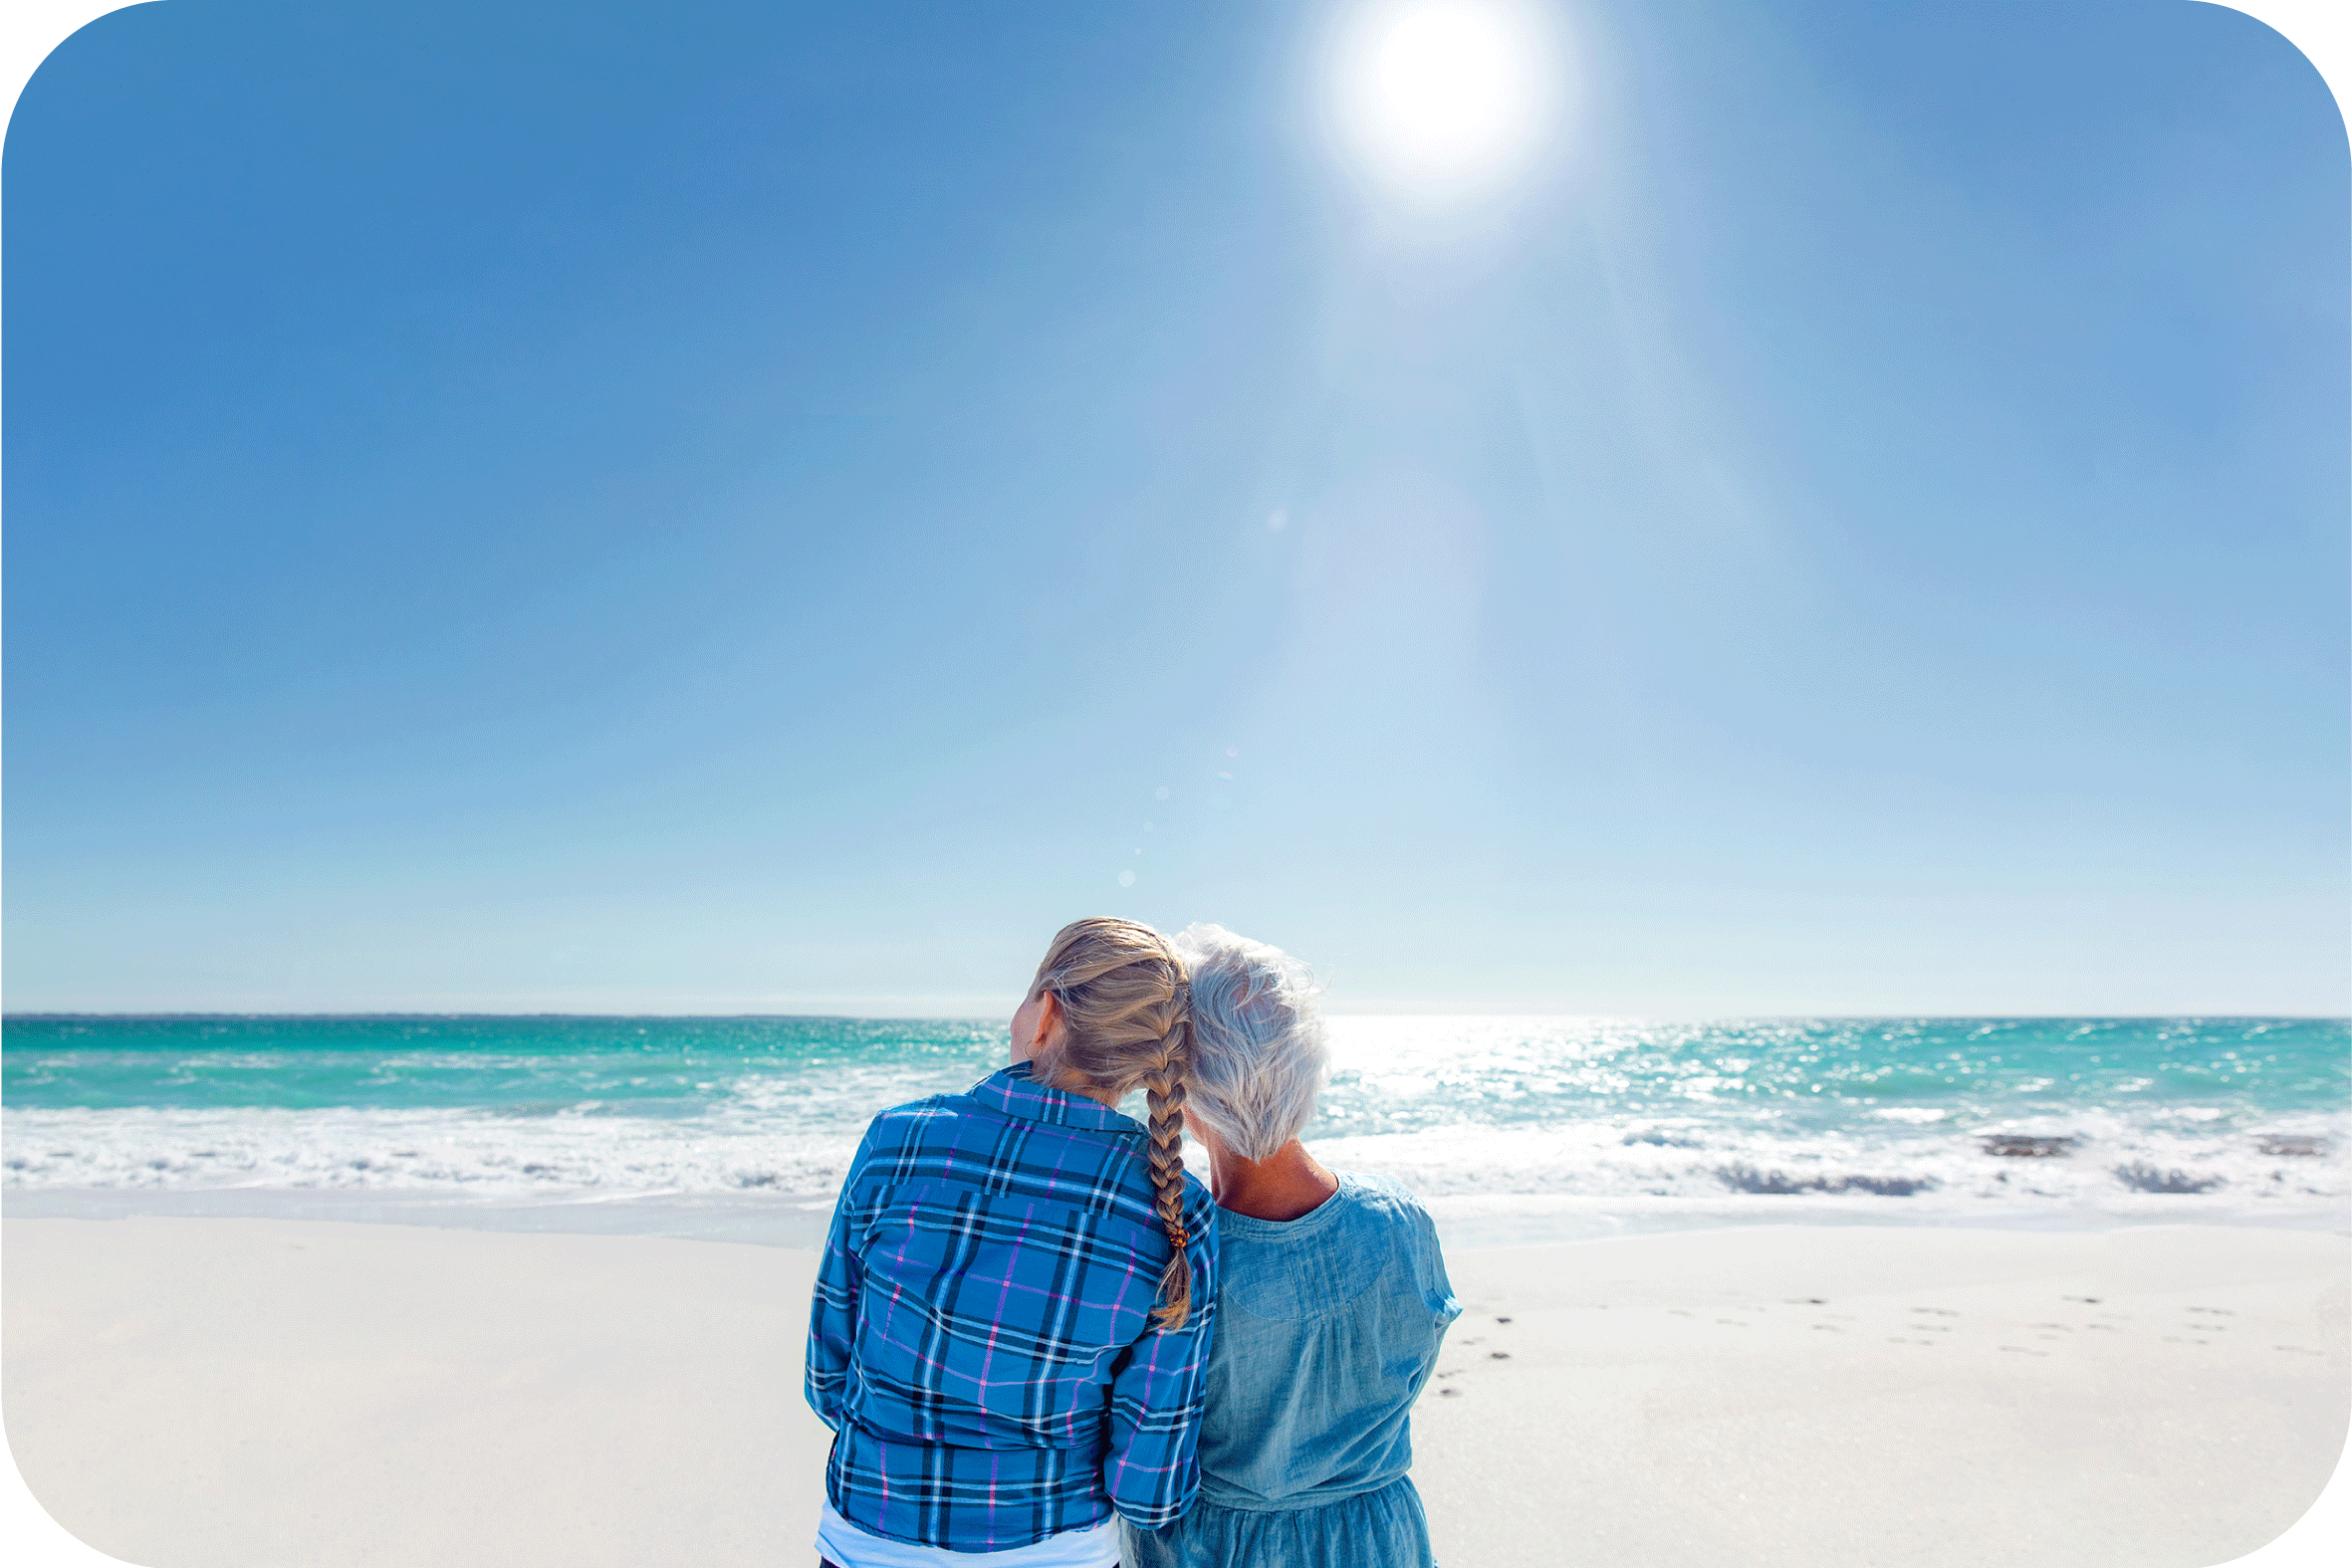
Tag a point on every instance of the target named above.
point(1013, 1091)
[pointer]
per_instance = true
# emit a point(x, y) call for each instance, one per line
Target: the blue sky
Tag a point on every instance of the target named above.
point(768, 507)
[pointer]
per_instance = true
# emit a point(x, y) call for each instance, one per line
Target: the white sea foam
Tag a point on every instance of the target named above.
point(2129, 1165)
point(2112, 1164)
point(139, 1147)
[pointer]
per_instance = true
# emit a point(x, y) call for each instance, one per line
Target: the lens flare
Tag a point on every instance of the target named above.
point(1444, 99)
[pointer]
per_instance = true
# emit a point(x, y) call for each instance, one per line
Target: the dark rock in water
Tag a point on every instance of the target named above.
point(2295, 1144)
point(1742, 1178)
point(1747, 1179)
point(1883, 1186)
point(2145, 1178)
point(2017, 1146)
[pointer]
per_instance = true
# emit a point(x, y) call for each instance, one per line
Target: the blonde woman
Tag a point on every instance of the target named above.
point(1013, 1310)
point(1333, 1302)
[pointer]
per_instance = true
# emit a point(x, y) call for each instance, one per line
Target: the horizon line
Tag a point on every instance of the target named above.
point(174, 1014)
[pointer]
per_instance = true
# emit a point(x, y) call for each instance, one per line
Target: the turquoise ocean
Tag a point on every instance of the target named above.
point(1510, 1127)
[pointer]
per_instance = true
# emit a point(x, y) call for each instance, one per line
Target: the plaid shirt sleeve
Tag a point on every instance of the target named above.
point(833, 1307)
point(1151, 1470)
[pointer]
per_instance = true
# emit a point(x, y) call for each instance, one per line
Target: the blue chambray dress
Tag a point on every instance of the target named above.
point(1327, 1328)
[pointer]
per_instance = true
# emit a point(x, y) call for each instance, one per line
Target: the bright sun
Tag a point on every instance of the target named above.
point(1443, 98)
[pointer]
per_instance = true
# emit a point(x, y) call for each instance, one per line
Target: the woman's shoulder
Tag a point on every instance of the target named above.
point(1374, 1212)
point(1369, 1246)
point(1381, 1197)
point(1386, 1204)
point(914, 1135)
point(905, 1123)
point(961, 1141)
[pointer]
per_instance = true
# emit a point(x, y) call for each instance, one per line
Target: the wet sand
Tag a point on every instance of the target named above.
point(184, 1392)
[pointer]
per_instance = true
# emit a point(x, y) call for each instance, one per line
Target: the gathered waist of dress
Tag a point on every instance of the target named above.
point(1243, 1500)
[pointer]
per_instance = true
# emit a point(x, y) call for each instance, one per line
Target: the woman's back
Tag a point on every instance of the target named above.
point(979, 1336)
point(1327, 1328)
point(1333, 1299)
point(1330, 1325)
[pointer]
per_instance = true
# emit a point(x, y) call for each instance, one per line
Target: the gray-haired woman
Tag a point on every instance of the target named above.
point(1332, 1306)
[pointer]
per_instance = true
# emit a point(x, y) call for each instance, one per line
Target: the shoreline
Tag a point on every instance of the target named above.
point(799, 1219)
point(247, 1392)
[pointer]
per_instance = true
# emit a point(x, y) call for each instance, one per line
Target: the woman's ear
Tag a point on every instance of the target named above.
point(1048, 1022)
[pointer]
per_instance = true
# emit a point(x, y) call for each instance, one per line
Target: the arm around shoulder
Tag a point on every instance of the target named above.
point(1151, 1470)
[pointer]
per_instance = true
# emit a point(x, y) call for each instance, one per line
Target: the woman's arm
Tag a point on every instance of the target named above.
point(1152, 1468)
point(832, 1305)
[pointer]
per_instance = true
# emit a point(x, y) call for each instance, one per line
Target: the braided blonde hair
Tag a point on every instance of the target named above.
point(1126, 1010)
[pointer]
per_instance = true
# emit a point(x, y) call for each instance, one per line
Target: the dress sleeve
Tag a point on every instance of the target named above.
point(1443, 1303)
point(1152, 1467)
point(832, 1305)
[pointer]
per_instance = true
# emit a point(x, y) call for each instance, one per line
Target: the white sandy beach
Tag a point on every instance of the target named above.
point(244, 1393)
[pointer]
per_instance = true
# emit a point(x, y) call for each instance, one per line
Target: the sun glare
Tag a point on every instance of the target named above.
point(1440, 98)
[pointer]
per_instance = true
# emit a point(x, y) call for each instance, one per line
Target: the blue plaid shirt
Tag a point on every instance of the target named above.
point(979, 1340)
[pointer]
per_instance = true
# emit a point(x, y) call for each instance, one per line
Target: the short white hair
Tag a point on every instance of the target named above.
point(1259, 1057)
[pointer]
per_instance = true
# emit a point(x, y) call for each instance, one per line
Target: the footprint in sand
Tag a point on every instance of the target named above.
point(2299, 1350)
point(1734, 1322)
point(2060, 1327)
point(1805, 1301)
point(1829, 1328)
point(2216, 1311)
point(1449, 1392)
point(1501, 1320)
point(2085, 1300)
point(1938, 1311)
point(1498, 1355)
point(2022, 1351)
